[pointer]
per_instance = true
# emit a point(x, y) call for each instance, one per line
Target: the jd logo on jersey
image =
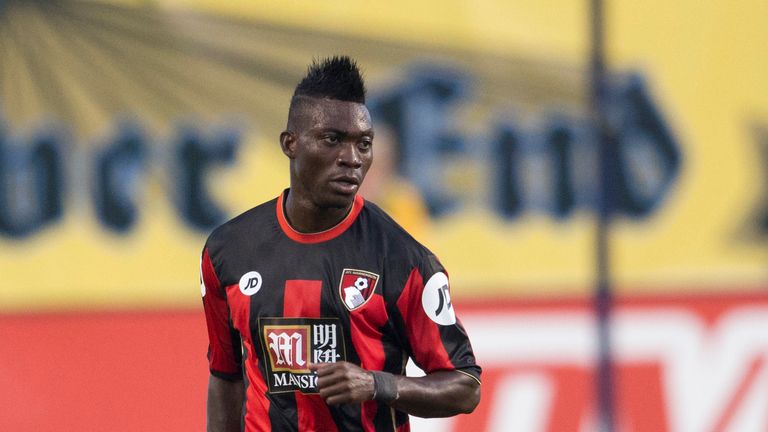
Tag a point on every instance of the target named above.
point(436, 300)
point(356, 287)
point(250, 283)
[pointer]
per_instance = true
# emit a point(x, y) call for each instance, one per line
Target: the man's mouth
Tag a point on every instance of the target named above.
point(346, 184)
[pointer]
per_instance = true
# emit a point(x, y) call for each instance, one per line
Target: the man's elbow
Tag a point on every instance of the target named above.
point(471, 400)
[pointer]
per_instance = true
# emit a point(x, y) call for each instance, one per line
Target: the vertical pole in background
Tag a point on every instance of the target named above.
point(605, 140)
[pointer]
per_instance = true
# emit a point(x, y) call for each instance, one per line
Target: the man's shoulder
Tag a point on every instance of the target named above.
point(403, 255)
point(393, 234)
point(248, 223)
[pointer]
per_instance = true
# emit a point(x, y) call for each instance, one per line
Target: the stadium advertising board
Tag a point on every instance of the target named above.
point(681, 365)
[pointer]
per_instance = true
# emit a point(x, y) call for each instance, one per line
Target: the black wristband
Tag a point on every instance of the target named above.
point(384, 387)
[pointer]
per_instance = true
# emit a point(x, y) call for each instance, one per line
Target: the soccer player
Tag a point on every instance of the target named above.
point(315, 300)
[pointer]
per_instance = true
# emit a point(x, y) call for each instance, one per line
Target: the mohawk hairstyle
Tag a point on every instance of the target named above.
point(336, 77)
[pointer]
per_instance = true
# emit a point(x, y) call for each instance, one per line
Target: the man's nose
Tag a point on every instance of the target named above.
point(349, 155)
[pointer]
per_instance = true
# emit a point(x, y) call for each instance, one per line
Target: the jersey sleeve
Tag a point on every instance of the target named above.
point(436, 338)
point(224, 349)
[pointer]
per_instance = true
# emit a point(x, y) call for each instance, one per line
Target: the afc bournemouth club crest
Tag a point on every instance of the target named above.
point(356, 287)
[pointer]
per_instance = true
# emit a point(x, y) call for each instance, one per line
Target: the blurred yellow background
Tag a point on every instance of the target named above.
point(703, 65)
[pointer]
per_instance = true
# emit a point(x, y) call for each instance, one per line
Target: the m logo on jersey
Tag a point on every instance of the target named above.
point(250, 283)
point(291, 344)
point(288, 347)
point(436, 300)
point(356, 287)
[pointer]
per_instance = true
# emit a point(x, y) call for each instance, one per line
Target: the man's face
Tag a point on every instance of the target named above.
point(332, 151)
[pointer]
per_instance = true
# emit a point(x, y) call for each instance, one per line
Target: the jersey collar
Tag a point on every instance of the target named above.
point(318, 237)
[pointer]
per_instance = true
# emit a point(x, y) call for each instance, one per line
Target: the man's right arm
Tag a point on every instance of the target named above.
point(225, 405)
point(225, 385)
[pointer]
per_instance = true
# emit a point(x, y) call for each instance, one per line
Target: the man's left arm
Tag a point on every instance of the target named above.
point(423, 317)
point(438, 394)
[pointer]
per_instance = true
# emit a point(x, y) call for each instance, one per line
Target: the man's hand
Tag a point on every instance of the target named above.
point(342, 383)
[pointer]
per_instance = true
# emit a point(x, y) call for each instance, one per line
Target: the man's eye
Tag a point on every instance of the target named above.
point(333, 139)
point(365, 145)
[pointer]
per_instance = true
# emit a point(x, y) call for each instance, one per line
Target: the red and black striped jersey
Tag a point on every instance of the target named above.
point(364, 291)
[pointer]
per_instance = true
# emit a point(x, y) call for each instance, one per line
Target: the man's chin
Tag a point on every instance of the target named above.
point(337, 201)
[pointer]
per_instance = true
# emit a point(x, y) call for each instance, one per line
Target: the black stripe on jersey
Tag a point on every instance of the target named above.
point(397, 322)
point(396, 357)
point(348, 417)
point(246, 384)
point(236, 341)
point(461, 355)
point(394, 360)
point(283, 415)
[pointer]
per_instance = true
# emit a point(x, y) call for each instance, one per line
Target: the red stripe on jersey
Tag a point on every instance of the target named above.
point(302, 300)
point(365, 323)
point(313, 414)
point(257, 408)
point(423, 333)
point(369, 410)
point(239, 310)
point(221, 353)
point(357, 206)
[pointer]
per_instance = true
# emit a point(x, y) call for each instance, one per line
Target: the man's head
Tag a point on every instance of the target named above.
point(329, 135)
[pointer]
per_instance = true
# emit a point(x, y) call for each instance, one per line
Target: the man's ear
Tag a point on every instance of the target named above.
point(288, 144)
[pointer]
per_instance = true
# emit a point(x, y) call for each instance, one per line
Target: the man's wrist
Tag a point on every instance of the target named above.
point(384, 387)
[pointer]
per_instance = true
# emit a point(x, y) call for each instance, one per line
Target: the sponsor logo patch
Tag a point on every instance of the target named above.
point(291, 344)
point(250, 283)
point(436, 300)
point(356, 287)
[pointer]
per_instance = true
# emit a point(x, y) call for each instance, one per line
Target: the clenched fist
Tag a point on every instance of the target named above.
point(343, 382)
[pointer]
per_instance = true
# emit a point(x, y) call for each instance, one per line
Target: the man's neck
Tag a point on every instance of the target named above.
point(306, 217)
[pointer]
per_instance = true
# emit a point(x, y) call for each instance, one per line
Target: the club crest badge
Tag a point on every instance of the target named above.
point(356, 287)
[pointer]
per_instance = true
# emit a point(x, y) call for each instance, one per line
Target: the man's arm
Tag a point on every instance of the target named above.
point(225, 405)
point(438, 394)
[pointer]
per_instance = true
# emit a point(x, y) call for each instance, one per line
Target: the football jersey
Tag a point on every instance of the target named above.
point(363, 291)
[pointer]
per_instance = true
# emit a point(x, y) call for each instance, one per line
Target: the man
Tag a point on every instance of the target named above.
point(315, 300)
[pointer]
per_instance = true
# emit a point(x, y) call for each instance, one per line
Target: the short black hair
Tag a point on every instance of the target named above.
point(336, 77)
